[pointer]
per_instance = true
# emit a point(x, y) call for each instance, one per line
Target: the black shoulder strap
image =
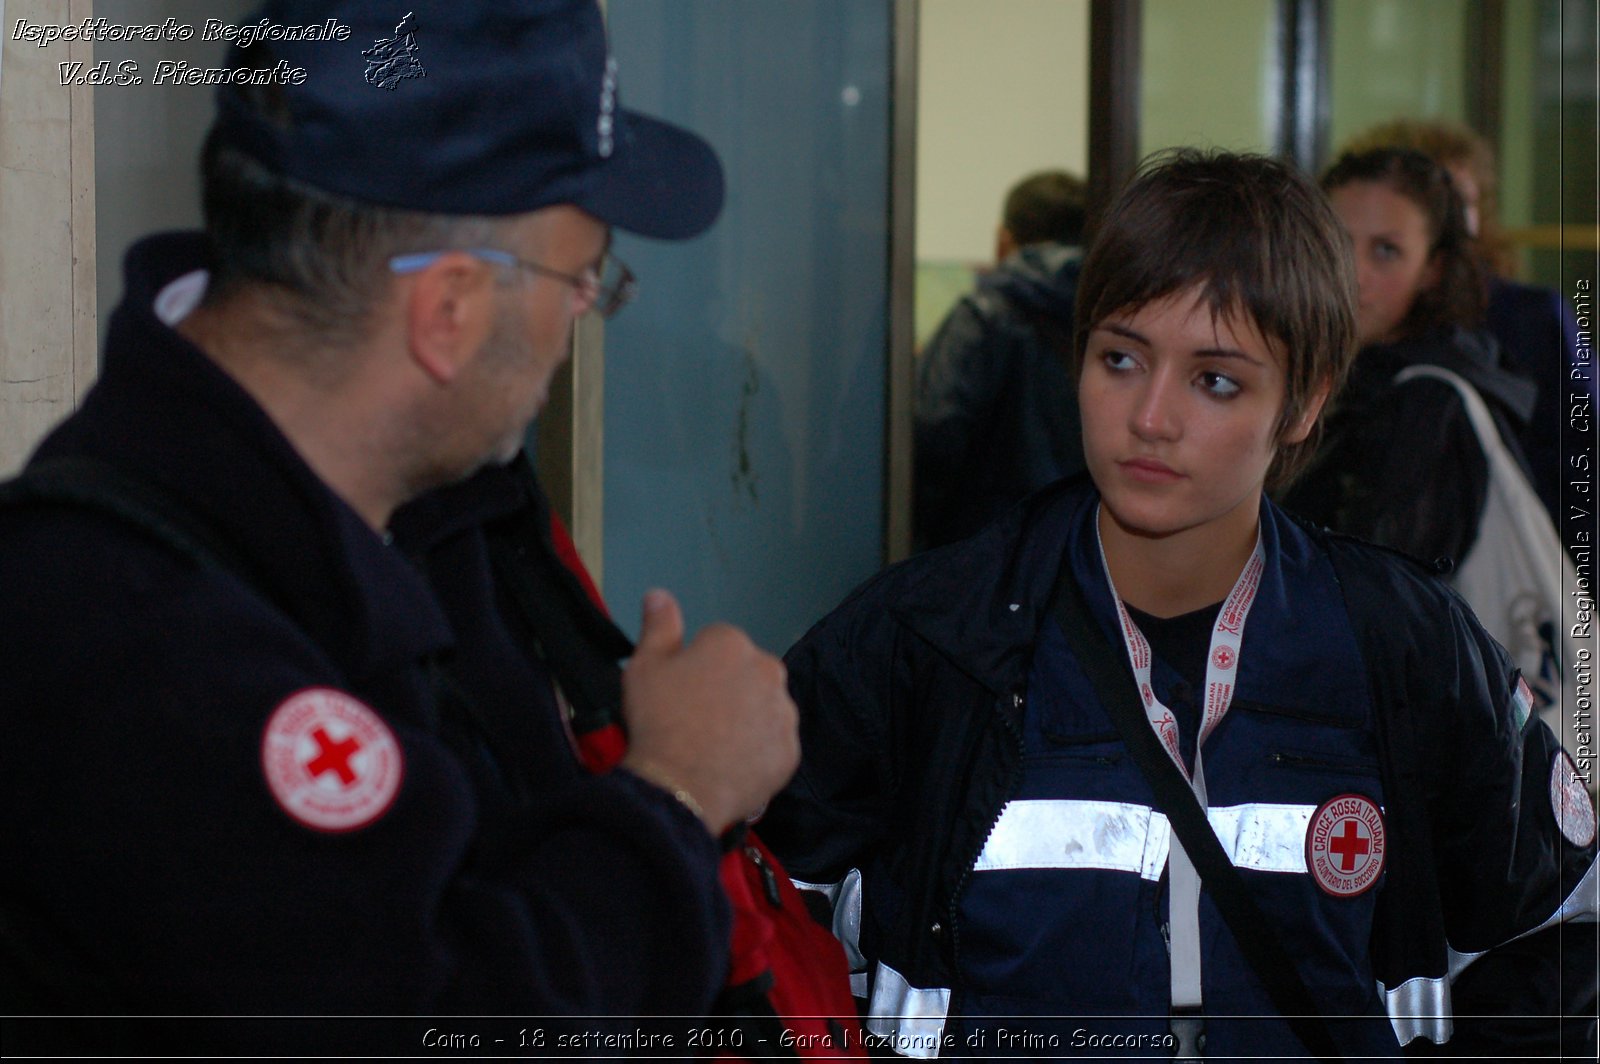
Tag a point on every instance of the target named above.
point(40, 970)
point(92, 484)
point(1250, 927)
point(578, 643)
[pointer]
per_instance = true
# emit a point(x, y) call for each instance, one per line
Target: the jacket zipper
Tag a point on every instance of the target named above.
point(1336, 765)
point(966, 865)
point(769, 878)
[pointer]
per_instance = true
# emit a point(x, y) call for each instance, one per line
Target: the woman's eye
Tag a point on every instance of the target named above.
point(1385, 251)
point(1118, 361)
point(1223, 387)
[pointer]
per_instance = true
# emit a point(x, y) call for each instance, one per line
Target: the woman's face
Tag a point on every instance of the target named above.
point(1393, 267)
point(1181, 417)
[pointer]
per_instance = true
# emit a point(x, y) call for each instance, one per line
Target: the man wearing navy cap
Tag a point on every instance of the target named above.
point(237, 776)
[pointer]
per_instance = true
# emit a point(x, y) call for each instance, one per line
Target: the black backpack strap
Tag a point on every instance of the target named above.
point(40, 971)
point(91, 484)
point(1250, 927)
point(578, 643)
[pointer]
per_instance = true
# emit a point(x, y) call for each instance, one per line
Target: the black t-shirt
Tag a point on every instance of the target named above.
point(1183, 643)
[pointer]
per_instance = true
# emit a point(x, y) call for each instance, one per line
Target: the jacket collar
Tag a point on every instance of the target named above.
point(165, 412)
point(1471, 353)
point(982, 601)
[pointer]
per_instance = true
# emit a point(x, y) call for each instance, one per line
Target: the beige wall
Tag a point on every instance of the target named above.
point(1398, 58)
point(1003, 91)
point(47, 243)
point(1208, 75)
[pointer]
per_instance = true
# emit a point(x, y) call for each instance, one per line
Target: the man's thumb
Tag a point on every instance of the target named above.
point(662, 628)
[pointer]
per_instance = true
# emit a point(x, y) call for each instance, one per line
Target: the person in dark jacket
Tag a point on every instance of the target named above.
point(235, 779)
point(1534, 326)
point(996, 417)
point(1421, 303)
point(981, 724)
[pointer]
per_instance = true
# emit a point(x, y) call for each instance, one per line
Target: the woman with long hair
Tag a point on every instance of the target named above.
point(1400, 463)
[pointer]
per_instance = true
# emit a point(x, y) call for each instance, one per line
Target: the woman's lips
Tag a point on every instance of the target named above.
point(1149, 470)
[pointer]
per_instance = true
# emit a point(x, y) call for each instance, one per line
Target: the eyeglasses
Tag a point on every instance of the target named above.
point(605, 290)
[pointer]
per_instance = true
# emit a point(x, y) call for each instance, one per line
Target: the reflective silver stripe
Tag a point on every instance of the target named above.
point(1420, 1008)
point(845, 897)
point(1579, 907)
point(912, 1018)
point(1263, 836)
point(1122, 837)
point(1075, 834)
point(1583, 904)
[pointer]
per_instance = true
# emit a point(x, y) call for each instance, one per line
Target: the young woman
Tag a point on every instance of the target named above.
point(1535, 326)
point(1421, 302)
point(1000, 872)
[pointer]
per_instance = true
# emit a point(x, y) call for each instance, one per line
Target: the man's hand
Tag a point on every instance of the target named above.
point(712, 720)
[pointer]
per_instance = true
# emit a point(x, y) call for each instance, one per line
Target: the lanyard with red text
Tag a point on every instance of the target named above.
point(1222, 663)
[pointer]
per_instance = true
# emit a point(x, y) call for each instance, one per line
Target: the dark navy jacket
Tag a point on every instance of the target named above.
point(1428, 505)
point(997, 408)
point(145, 854)
point(939, 697)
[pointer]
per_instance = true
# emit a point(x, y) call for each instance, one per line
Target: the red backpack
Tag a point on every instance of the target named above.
point(788, 988)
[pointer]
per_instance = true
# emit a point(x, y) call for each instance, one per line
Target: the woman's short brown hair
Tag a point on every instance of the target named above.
point(1264, 246)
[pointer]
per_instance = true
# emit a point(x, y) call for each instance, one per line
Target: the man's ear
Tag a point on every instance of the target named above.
point(449, 311)
point(1301, 427)
point(1004, 244)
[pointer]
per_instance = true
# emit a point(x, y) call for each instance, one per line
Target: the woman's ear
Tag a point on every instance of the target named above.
point(1298, 429)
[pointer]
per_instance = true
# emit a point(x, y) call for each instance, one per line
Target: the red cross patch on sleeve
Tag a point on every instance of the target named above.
point(1346, 845)
point(331, 762)
point(1569, 800)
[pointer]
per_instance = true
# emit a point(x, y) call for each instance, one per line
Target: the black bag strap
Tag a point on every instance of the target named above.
point(89, 483)
point(40, 970)
point(577, 642)
point(1174, 798)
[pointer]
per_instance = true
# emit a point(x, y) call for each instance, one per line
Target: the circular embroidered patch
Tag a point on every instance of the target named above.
point(1569, 799)
point(330, 762)
point(1345, 845)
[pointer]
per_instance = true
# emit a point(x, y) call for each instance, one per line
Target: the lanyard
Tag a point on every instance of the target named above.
point(1222, 663)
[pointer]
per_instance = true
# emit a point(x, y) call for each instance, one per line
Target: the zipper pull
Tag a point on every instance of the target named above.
point(769, 878)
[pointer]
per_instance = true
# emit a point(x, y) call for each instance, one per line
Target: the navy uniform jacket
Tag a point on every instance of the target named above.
point(150, 858)
point(995, 859)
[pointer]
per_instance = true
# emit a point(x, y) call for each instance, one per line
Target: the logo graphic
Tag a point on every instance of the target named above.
point(1569, 800)
point(1345, 845)
point(330, 762)
point(1223, 658)
point(390, 60)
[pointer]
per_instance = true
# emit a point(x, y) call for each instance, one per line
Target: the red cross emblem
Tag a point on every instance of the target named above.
point(1350, 844)
point(333, 757)
point(1569, 800)
point(1223, 658)
point(1345, 845)
point(331, 762)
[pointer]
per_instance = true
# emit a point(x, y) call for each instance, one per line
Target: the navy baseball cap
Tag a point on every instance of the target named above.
point(462, 107)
